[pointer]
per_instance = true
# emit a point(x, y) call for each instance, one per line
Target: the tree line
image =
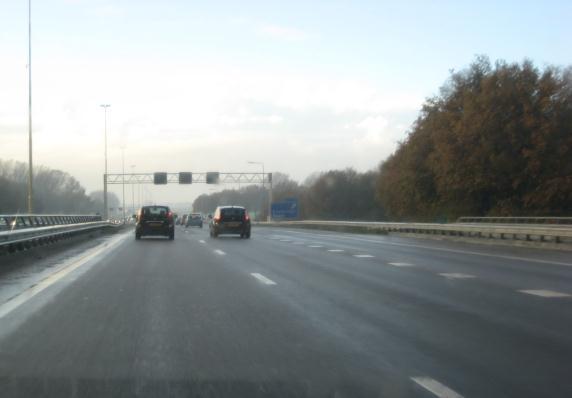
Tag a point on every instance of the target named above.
point(496, 140)
point(332, 195)
point(55, 191)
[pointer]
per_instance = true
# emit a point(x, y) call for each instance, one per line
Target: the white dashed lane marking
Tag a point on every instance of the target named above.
point(315, 246)
point(455, 275)
point(438, 389)
point(285, 240)
point(401, 264)
point(363, 255)
point(546, 293)
point(336, 251)
point(202, 241)
point(262, 279)
point(220, 252)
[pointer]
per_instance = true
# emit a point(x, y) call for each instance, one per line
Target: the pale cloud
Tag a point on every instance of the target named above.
point(373, 124)
point(283, 32)
point(173, 115)
point(107, 10)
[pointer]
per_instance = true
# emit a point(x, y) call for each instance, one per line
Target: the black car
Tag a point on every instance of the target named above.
point(194, 220)
point(230, 220)
point(155, 220)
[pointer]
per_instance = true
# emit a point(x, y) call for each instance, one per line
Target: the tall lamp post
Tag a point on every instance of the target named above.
point(264, 188)
point(132, 190)
point(105, 208)
point(123, 179)
point(30, 166)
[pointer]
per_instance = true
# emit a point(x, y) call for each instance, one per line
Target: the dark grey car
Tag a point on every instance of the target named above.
point(230, 220)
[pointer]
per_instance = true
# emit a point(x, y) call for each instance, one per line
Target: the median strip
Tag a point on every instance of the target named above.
point(262, 279)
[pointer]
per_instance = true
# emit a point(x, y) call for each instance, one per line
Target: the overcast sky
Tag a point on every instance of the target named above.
point(302, 86)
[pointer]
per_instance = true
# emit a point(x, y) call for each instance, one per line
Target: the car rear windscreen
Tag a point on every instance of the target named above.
point(155, 212)
point(232, 212)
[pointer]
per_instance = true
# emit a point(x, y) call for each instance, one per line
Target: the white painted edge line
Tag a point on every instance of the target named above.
point(546, 293)
point(401, 264)
point(456, 275)
point(27, 294)
point(363, 255)
point(346, 237)
point(220, 252)
point(261, 278)
point(315, 246)
point(202, 241)
point(433, 386)
point(336, 251)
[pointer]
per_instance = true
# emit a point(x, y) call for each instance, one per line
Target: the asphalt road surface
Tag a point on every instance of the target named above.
point(293, 313)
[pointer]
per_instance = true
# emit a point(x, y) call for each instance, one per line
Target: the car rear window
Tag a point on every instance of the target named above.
point(155, 212)
point(229, 212)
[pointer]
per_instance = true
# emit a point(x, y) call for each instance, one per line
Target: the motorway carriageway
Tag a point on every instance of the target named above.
point(288, 313)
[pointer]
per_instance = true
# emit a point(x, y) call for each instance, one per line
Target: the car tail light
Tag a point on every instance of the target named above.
point(246, 216)
point(217, 218)
point(170, 216)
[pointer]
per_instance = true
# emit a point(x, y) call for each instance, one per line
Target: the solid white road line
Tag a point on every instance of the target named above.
point(363, 255)
point(546, 293)
point(336, 251)
point(401, 264)
point(456, 275)
point(220, 252)
point(315, 246)
point(345, 238)
point(263, 279)
point(440, 390)
point(26, 295)
point(202, 241)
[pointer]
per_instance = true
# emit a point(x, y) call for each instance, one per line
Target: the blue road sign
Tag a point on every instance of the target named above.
point(285, 209)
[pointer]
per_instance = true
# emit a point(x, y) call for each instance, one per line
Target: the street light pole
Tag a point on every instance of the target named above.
point(132, 189)
point(30, 165)
point(123, 178)
point(105, 209)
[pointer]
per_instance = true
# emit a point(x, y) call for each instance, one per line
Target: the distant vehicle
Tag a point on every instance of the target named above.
point(155, 220)
point(195, 220)
point(230, 220)
point(184, 219)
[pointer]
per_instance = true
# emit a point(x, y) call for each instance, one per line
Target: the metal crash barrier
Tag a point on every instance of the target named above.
point(553, 233)
point(24, 231)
